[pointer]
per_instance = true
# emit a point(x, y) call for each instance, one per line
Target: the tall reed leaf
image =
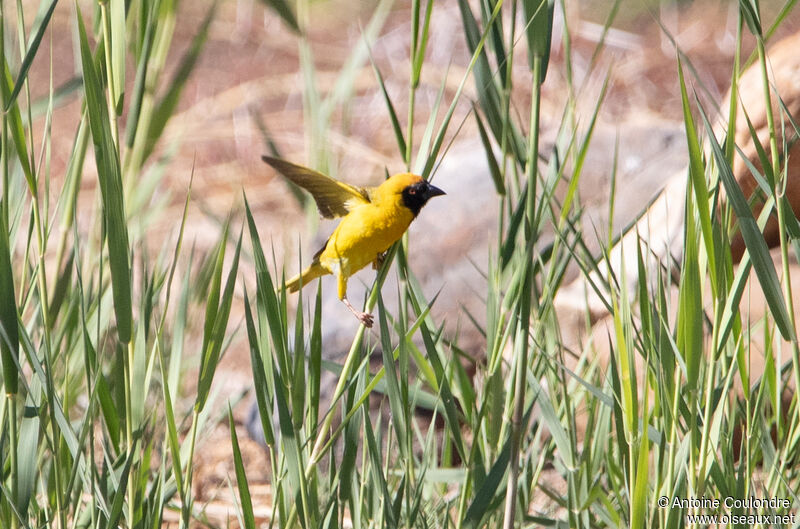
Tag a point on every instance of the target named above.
point(641, 479)
point(138, 94)
point(690, 303)
point(217, 312)
point(751, 13)
point(110, 178)
point(490, 490)
point(260, 385)
point(28, 446)
point(40, 26)
point(698, 179)
point(488, 95)
point(14, 118)
point(398, 131)
point(753, 239)
point(539, 29)
point(241, 477)
point(9, 336)
point(118, 44)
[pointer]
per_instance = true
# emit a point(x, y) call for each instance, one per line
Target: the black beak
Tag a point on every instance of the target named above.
point(433, 191)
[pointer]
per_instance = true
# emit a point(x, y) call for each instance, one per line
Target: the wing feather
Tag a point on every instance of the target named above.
point(333, 198)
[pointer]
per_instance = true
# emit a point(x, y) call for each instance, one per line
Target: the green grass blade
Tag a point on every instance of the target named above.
point(218, 319)
point(260, 386)
point(375, 467)
point(698, 179)
point(270, 315)
point(642, 478)
point(292, 450)
point(109, 175)
point(315, 365)
point(423, 150)
point(398, 130)
point(753, 239)
point(107, 405)
point(121, 490)
point(751, 13)
point(421, 45)
point(488, 95)
point(140, 82)
point(539, 30)
point(497, 44)
point(241, 477)
point(392, 382)
point(9, 334)
point(448, 400)
point(730, 315)
point(766, 180)
point(583, 150)
point(690, 305)
point(17, 130)
point(297, 364)
point(489, 491)
point(283, 10)
point(172, 430)
point(118, 46)
point(40, 26)
point(479, 63)
point(166, 107)
point(494, 168)
point(28, 447)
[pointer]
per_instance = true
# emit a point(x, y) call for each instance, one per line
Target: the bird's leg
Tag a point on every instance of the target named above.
point(363, 317)
point(379, 260)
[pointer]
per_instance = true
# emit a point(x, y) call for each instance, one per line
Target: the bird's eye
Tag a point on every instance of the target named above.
point(412, 191)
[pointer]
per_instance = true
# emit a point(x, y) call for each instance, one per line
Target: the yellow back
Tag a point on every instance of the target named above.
point(370, 229)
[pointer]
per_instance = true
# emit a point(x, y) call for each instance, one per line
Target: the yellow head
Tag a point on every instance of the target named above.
point(413, 190)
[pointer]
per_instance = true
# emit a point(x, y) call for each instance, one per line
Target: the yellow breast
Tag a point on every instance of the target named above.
point(365, 232)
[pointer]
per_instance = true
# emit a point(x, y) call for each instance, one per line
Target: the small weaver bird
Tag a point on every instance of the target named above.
point(373, 219)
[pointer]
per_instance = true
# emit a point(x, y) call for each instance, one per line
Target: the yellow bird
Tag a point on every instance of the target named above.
point(373, 219)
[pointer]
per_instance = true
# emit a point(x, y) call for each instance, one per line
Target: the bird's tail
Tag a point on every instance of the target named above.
point(309, 274)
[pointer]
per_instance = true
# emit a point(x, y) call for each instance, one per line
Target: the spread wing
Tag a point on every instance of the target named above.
point(333, 198)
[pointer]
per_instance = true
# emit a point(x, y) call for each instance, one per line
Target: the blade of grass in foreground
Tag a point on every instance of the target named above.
point(539, 28)
point(392, 382)
point(138, 92)
point(110, 178)
point(17, 130)
point(690, 304)
point(33, 48)
point(698, 179)
point(753, 239)
point(218, 311)
point(9, 337)
point(376, 466)
point(115, 9)
point(241, 477)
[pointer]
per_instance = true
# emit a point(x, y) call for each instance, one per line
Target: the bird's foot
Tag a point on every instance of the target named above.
point(379, 260)
point(364, 317)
